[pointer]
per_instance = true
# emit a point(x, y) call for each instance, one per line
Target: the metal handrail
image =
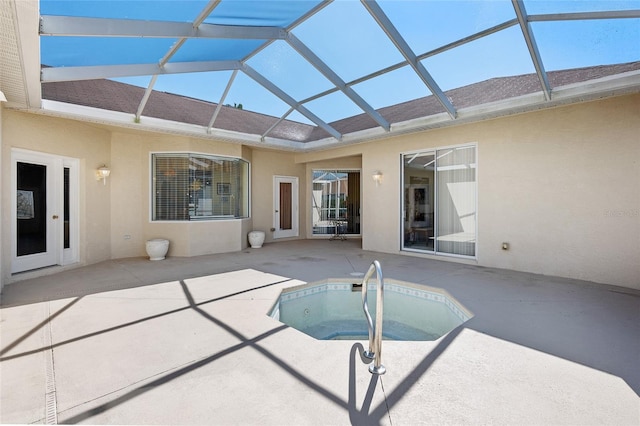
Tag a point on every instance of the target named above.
point(375, 333)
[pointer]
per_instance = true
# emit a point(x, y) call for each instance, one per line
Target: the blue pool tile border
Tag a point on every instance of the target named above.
point(405, 288)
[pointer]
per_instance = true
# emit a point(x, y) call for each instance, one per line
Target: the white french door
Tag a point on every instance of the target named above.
point(44, 212)
point(285, 202)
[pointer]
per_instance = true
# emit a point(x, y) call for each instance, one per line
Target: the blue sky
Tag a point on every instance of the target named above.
point(347, 39)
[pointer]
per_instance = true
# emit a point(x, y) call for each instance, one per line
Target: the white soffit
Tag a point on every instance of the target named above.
point(19, 49)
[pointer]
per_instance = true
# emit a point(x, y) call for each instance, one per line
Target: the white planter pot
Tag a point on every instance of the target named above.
point(157, 248)
point(256, 239)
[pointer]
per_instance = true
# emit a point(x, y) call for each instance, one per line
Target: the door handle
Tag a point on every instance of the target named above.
point(55, 216)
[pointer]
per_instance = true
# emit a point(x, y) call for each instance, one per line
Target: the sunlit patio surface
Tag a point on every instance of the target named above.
point(188, 341)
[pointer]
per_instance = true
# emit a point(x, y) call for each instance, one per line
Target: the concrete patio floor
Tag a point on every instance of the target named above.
point(188, 341)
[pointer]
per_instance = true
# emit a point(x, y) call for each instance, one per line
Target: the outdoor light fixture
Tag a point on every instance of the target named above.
point(377, 177)
point(3, 98)
point(103, 173)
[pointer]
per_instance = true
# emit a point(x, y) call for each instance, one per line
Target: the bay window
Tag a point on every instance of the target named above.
point(197, 186)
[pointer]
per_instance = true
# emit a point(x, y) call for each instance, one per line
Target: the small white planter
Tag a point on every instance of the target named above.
point(256, 239)
point(157, 248)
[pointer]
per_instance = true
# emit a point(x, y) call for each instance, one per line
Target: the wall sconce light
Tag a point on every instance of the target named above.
point(377, 177)
point(103, 173)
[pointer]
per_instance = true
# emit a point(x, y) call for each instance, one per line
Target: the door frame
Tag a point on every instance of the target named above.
point(55, 253)
point(294, 231)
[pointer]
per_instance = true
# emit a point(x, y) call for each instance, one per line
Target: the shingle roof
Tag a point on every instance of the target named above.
point(491, 90)
point(116, 96)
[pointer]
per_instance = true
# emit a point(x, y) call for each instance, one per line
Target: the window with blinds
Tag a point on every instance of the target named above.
point(196, 187)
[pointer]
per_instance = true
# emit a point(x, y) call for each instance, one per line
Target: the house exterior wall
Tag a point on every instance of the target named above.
point(114, 218)
point(62, 138)
point(131, 224)
point(559, 185)
point(265, 165)
point(379, 226)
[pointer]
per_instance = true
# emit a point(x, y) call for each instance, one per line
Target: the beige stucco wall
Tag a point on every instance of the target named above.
point(379, 226)
point(560, 185)
point(114, 218)
point(131, 225)
point(265, 166)
point(69, 139)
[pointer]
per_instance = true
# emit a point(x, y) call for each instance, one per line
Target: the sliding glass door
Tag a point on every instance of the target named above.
point(419, 192)
point(439, 201)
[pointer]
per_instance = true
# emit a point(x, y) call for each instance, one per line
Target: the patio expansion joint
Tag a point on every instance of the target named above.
point(51, 410)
